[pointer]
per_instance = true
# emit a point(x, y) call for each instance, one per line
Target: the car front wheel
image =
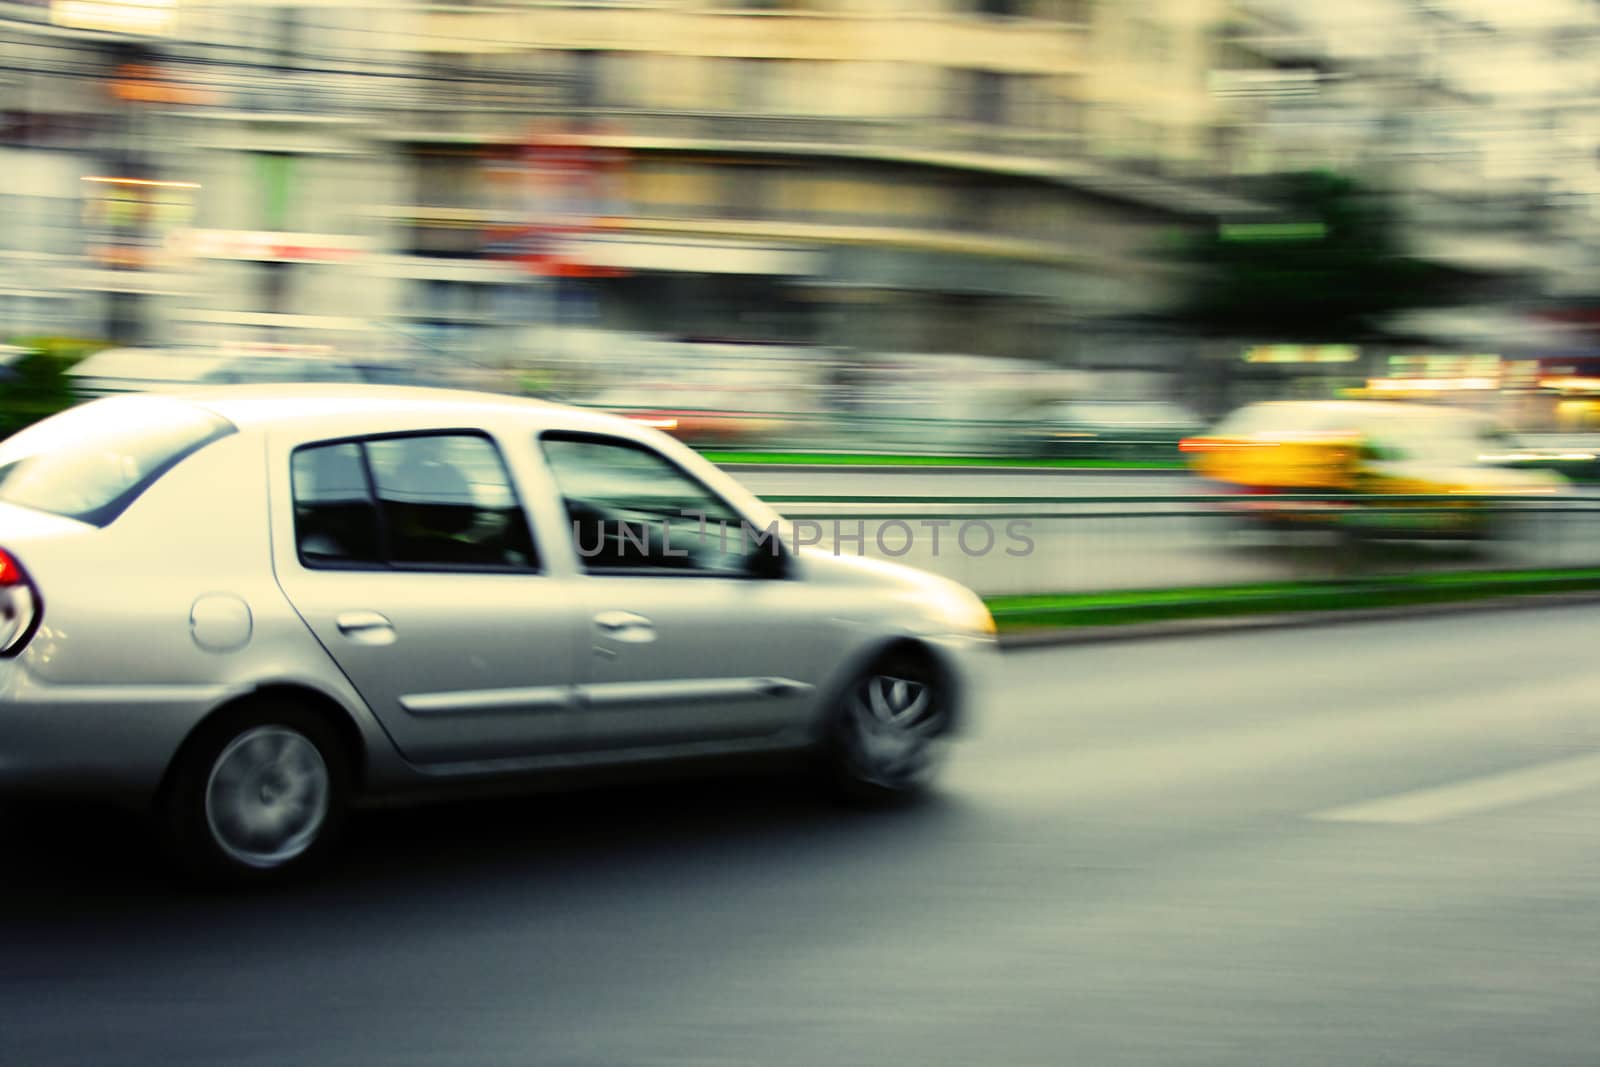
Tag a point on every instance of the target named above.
point(259, 793)
point(887, 730)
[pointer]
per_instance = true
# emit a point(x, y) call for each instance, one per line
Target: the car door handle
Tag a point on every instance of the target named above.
point(625, 626)
point(366, 627)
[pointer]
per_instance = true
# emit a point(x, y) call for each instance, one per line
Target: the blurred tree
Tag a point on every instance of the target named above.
point(1330, 266)
point(36, 384)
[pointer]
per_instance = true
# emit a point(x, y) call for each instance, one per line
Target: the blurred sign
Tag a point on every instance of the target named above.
point(129, 221)
point(1302, 354)
point(697, 256)
point(271, 245)
point(1445, 366)
point(1430, 385)
point(556, 187)
point(116, 16)
point(1571, 384)
point(1425, 374)
point(139, 84)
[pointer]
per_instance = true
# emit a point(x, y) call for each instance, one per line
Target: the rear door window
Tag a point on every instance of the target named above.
point(433, 501)
point(335, 518)
point(91, 462)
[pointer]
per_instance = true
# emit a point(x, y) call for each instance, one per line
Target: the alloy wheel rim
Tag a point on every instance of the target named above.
point(892, 727)
point(267, 796)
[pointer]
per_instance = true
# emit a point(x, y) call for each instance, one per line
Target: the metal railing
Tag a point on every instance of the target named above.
point(802, 429)
point(1011, 545)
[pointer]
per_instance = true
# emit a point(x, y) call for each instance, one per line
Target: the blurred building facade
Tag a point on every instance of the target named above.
point(1481, 120)
point(994, 178)
point(987, 177)
point(1478, 122)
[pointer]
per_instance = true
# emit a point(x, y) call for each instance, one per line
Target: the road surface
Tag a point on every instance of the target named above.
point(1365, 844)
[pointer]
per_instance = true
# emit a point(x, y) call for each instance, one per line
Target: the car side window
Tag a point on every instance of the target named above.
point(633, 510)
point(419, 501)
point(446, 498)
point(335, 519)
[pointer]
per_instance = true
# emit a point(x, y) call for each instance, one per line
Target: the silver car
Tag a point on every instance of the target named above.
point(248, 608)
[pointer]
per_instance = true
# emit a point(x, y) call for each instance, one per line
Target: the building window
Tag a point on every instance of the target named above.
point(444, 302)
point(444, 180)
point(998, 8)
point(978, 208)
point(283, 33)
point(125, 318)
point(1072, 12)
point(586, 79)
point(983, 97)
point(274, 282)
point(747, 191)
point(754, 87)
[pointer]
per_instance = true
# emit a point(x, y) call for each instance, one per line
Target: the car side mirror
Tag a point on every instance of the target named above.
point(765, 563)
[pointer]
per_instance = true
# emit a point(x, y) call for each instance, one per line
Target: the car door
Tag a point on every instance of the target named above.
point(413, 562)
point(693, 634)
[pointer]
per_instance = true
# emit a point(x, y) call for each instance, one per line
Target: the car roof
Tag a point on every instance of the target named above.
point(294, 404)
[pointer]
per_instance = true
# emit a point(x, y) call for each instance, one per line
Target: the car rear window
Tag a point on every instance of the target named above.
point(91, 462)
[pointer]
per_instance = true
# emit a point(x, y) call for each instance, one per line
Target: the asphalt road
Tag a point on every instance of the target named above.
point(1290, 847)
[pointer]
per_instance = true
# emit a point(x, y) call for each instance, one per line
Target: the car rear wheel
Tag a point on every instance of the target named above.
point(258, 794)
point(887, 730)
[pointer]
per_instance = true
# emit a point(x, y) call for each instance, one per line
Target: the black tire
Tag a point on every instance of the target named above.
point(873, 757)
point(259, 773)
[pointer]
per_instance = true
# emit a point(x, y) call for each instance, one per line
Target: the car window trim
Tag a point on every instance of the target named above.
point(385, 564)
point(600, 437)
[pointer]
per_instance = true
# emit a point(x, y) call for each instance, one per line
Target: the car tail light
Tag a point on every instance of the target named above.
point(20, 607)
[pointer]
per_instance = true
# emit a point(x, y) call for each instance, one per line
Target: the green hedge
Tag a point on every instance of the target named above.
point(1124, 607)
point(38, 385)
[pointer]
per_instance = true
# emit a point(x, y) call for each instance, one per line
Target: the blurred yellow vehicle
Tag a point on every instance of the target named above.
point(1338, 460)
